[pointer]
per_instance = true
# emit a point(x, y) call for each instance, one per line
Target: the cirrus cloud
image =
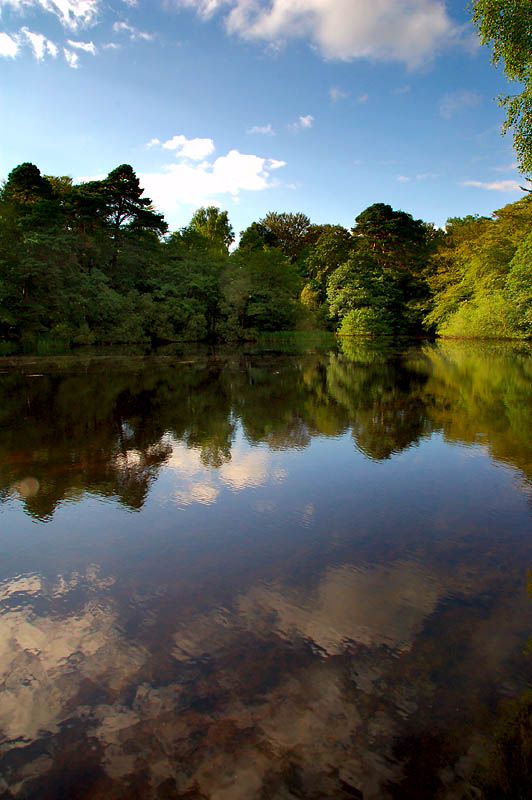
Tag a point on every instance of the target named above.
point(304, 122)
point(494, 186)
point(86, 47)
point(267, 130)
point(71, 58)
point(8, 45)
point(454, 102)
point(133, 33)
point(71, 13)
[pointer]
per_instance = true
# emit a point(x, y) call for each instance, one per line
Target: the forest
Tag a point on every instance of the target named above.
point(94, 263)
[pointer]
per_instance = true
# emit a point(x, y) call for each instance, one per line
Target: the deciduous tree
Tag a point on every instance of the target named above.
point(506, 25)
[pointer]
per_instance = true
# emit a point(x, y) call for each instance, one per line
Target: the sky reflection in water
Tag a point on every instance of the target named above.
point(255, 575)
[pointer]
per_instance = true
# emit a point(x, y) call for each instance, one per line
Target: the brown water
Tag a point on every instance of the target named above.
point(240, 575)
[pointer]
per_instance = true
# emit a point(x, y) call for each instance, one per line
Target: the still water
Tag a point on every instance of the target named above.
point(239, 575)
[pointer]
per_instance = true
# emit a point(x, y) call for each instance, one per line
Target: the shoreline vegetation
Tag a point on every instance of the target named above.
point(94, 264)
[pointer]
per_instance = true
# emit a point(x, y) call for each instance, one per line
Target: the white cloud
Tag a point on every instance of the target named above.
point(423, 176)
point(195, 149)
point(52, 48)
point(72, 13)
point(72, 59)
point(37, 42)
point(267, 130)
point(453, 102)
point(303, 122)
point(403, 178)
point(197, 483)
point(494, 186)
point(123, 27)
point(86, 47)
point(40, 44)
point(389, 30)
point(363, 98)
point(134, 33)
point(506, 167)
point(8, 46)
point(336, 94)
point(190, 184)
point(205, 8)
point(402, 89)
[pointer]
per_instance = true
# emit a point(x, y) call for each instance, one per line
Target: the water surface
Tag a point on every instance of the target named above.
point(245, 574)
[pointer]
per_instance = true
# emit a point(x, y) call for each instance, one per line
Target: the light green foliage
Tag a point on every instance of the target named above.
point(214, 226)
point(506, 25)
point(368, 321)
point(452, 282)
point(486, 316)
point(363, 297)
point(518, 287)
point(471, 296)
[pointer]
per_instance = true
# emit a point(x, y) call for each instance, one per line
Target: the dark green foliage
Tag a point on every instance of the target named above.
point(292, 232)
point(365, 298)
point(381, 288)
point(90, 263)
point(257, 236)
point(506, 770)
point(332, 248)
point(261, 287)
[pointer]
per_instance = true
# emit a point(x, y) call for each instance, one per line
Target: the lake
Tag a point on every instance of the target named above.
point(294, 572)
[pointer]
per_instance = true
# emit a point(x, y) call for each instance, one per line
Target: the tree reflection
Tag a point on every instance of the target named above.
point(106, 426)
point(384, 394)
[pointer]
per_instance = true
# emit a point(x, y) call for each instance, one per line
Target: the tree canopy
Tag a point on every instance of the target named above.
point(93, 263)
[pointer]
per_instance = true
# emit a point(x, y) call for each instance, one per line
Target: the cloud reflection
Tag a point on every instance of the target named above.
point(248, 468)
point(287, 690)
point(384, 605)
point(46, 656)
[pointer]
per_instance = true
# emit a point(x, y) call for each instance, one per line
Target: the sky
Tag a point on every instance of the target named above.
point(318, 106)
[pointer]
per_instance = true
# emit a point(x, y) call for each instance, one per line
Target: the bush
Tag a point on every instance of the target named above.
point(369, 320)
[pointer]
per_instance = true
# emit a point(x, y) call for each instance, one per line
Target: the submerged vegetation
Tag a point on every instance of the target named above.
point(94, 264)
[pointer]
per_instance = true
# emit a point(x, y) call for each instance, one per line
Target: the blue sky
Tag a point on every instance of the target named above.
point(320, 106)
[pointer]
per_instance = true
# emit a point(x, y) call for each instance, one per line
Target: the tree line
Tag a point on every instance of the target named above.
point(95, 263)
